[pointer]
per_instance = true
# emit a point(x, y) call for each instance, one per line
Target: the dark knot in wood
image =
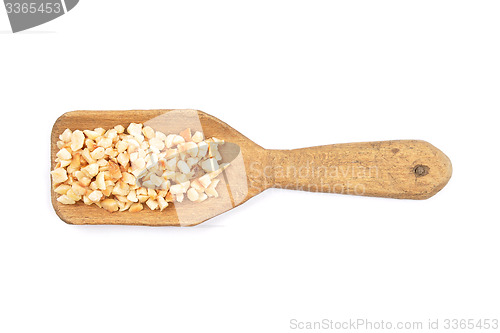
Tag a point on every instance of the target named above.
point(421, 170)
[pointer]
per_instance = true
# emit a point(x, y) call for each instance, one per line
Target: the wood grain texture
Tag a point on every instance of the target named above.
point(404, 169)
point(408, 169)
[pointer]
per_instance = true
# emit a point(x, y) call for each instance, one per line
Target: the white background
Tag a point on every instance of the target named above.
point(286, 74)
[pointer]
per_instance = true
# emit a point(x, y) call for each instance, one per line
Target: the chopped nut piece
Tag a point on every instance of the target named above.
point(87, 157)
point(77, 139)
point(160, 136)
point(121, 188)
point(169, 197)
point(75, 163)
point(121, 146)
point(110, 205)
point(148, 184)
point(202, 149)
point(100, 181)
point(111, 152)
point(62, 189)
point(133, 156)
point(213, 149)
point(197, 185)
point(192, 194)
point(123, 159)
point(191, 148)
point(95, 196)
point(78, 189)
point(124, 206)
point(121, 198)
point(152, 193)
point(171, 153)
point(135, 129)
point(183, 167)
point(180, 177)
point(132, 196)
point(176, 189)
point(169, 141)
point(85, 181)
point(86, 200)
point(103, 164)
point(156, 180)
point(191, 161)
point(148, 132)
point(112, 134)
point(92, 135)
point(171, 164)
point(100, 131)
point(135, 207)
point(59, 175)
point(185, 185)
point(142, 191)
point(156, 143)
point(162, 193)
point(133, 145)
point(177, 139)
point(79, 175)
point(65, 200)
point(162, 203)
point(91, 169)
point(114, 171)
point(64, 163)
point(205, 180)
point(168, 174)
point(152, 204)
point(197, 137)
point(91, 145)
point(64, 154)
point(128, 178)
point(72, 195)
point(210, 165)
point(104, 142)
point(66, 135)
point(138, 164)
point(98, 153)
point(119, 129)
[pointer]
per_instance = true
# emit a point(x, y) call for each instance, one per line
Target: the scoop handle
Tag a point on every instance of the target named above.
point(403, 169)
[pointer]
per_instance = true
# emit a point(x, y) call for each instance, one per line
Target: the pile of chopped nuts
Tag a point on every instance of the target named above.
point(121, 170)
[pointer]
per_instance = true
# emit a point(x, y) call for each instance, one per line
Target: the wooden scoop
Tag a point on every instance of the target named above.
point(402, 169)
